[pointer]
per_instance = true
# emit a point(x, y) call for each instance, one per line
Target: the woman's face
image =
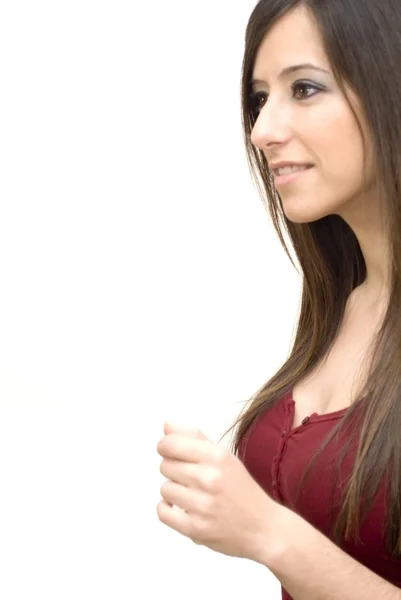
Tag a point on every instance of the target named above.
point(304, 118)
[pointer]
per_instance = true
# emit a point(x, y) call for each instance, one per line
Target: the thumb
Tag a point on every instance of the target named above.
point(186, 431)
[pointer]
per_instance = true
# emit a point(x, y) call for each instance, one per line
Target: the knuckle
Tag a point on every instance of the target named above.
point(164, 467)
point(161, 512)
point(205, 504)
point(161, 446)
point(191, 472)
point(166, 446)
point(165, 488)
point(221, 455)
point(211, 479)
point(170, 445)
point(196, 532)
point(199, 531)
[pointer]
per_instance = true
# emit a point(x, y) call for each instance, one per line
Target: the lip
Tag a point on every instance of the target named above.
point(288, 163)
point(280, 180)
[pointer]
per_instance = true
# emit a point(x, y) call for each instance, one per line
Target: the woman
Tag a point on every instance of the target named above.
point(312, 488)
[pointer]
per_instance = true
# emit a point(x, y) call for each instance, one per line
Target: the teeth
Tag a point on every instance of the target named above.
point(292, 169)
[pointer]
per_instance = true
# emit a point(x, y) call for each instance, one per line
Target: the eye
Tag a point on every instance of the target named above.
point(304, 87)
point(257, 101)
point(301, 90)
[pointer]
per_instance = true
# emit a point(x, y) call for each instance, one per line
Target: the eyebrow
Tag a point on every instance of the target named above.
point(292, 69)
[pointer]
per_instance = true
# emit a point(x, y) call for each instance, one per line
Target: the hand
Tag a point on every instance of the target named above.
point(225, 509)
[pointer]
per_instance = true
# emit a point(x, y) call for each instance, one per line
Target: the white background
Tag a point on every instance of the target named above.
point(140, 280)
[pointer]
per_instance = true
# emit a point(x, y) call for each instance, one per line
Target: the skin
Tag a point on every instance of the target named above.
point(224, 509)
point(222, 506)
point(316, 125)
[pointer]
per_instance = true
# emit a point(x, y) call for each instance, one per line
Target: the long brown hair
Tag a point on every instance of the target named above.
point(363, 43)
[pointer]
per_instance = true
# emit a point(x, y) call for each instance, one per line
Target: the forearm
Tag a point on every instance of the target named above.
point(311, 567)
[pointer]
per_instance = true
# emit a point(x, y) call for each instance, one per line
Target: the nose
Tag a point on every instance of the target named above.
point(271, 127)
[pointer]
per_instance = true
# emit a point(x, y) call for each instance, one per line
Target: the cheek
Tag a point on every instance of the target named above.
point(334, 143)
point(338, 147)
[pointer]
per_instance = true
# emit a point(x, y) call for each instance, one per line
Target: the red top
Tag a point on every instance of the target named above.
point(276, 456)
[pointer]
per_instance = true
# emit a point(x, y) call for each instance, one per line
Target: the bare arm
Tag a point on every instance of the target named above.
point(311, 567)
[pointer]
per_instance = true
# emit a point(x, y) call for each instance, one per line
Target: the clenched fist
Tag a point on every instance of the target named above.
point(222, 506)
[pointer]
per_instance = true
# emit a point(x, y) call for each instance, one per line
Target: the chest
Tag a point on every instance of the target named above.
point(341, 373)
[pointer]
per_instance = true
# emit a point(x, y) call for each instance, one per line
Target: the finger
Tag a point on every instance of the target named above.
point(179, 521)
point(187, 449)
point(185, 431)
point(176, 494)
point(181, 472)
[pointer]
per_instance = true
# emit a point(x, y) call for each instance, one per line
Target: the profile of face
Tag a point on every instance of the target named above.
point(304, 118)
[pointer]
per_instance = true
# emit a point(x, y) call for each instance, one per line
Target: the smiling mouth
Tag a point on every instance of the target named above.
point(287, 176)
point(291, 169)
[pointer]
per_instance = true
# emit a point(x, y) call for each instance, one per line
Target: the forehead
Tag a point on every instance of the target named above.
point(294, 38)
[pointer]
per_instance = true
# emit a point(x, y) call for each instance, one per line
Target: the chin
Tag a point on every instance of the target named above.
point(297, 217)
point(296, 213)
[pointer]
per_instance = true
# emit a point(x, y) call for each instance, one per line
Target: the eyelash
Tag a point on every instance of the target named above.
point(255, 97)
